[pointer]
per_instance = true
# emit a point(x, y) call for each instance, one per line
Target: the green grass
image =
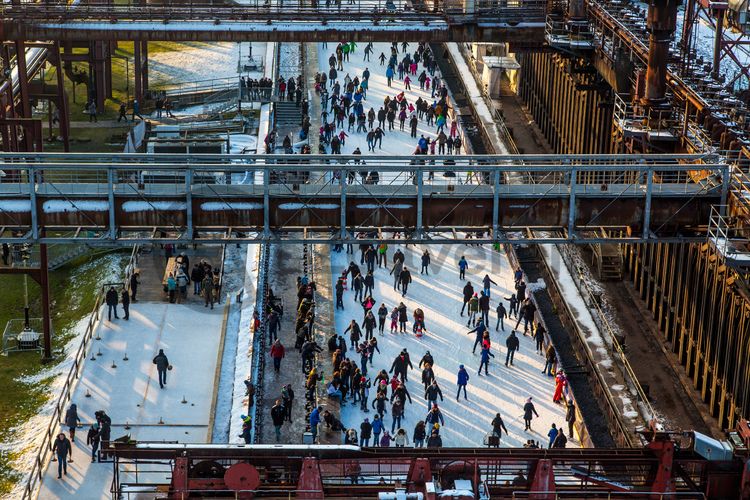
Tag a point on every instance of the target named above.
point(73, 290)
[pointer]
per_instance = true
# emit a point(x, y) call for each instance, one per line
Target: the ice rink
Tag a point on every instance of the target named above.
point(439, 295)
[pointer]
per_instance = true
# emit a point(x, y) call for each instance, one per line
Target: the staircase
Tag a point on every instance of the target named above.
point(608, 261)
point(287, 114)
point(60, 260)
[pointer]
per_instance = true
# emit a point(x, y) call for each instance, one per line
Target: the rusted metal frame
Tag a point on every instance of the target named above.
point(729, 355)
point(383, 203)
point(62, 101)
point(704, 303)
point(342, 213)
point(304, 203)
point(709, 328)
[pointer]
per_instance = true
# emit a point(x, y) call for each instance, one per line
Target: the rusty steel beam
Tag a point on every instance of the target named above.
point(520, 35)
point(661, 22)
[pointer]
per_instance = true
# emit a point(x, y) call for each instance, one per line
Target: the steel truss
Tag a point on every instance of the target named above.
point(660, 470)
point(446, 20)
point(127, 199)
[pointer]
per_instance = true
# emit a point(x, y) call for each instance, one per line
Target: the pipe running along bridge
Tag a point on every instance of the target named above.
point(130, 198)
point(520, 22)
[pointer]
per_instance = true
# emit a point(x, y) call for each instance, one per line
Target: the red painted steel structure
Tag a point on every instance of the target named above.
point(659, 470)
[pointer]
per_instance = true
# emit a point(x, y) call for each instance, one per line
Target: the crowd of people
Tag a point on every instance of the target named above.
point(354, 352)
point(343, 100)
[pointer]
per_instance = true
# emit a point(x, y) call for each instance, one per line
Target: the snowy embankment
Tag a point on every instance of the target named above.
point(234, 289)
point(477, 100)
point(622, 396)
point(242, 317)
point(28, 437)
point(201, 61)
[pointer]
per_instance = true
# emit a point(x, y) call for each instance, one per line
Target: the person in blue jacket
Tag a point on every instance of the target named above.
point(377, 429)
point(389, 75)
point(463, 379)
point(314, 421)
point(462, 265)
point(486, 354)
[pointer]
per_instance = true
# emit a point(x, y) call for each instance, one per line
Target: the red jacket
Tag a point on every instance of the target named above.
point(277, 351)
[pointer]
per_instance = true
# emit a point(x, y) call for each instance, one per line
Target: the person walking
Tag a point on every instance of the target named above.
point(125, 299)
point(382, 315)
point(431, 394)
point(552, 435)
point(570, 415)
point(550, 359)
point(462, 266)
point(468, 292)
point(64, 451)
point(405, 279)
point(497, 429)
point(111, 300)
point(485, 360)
point(398, 266)
point(134, 286)
point(92, 439)
point(162, 365)
point(480, 329)
point(484, 308)
point(512, 344)
point(277, 416)
point(287, 399)
point(425, 263)
point(277, 354)
point(463, 380)
point(539, 338)
point(314, 421)
point(528, 410)
point(487, 281)
point(434, 416)
point(397, 413)
point(72, 421)
point(419, 434)
point(365, 432)
point(501, 315)
point(207, 287)
point(377, 429)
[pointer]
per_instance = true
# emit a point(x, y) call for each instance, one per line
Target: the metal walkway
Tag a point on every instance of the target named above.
point(519, 21)
point(123, 199)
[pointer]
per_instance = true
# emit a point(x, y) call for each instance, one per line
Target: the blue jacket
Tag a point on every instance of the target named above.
point(480, 329)
point(377, 426)
point(314, 417)
point(389, 72)
point(463, 376)
point(485, 357)
point(462, 264)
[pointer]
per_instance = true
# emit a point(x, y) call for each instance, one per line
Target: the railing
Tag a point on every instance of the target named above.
point(419, 10)
point(600, 318)
point(198, 86)
point(259, 342)
point(45, 448)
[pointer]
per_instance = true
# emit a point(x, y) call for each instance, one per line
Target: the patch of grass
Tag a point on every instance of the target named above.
point(73, 291)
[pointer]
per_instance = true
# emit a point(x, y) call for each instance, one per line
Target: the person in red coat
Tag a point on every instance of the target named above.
point(277, 353)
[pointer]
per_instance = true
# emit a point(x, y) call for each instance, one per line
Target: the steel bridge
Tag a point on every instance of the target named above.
point(127, 199)
point(520, 22)
point(660, 470)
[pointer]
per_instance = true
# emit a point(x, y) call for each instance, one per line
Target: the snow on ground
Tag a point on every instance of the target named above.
point(395, 141)
point(232, 285)
point(130, 393)
point(244, 357)
point(28, 438)
point(440, 296)
point(201, 61)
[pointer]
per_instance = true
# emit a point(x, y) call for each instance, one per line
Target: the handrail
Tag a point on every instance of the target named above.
point(45, 448)
point(588, 296)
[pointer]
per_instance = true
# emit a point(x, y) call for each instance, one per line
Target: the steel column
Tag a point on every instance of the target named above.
point(495, 204)
point(266, 205)
point(572, 205)
point(661, 22)
point(62, 100)
point(647, 209)
point(342, 217)
point(46, 312)
point(34, 208)
point(718, 38)
point(111, 196)
point(420, 185)
point(189, 201)
point(138, 73)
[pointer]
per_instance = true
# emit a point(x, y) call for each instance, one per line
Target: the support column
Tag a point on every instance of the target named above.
point(138, 70)
point(661, 23)
point(144, 67)
point(718, 36)
point(23, 86)
point(46, 313)
point(62, 100)
point(97, 63)
point(543, 483)
point(310, 484)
